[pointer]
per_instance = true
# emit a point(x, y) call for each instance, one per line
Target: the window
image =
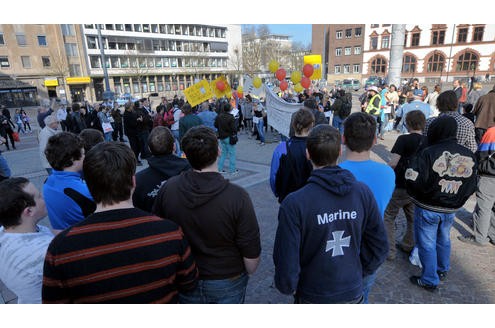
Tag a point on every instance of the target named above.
point(385, 41)
point(115, 62)
point(356, 68)
point(357, 32)
point(91, 41)
point(415, 40)
point(375, 25)
point(42, 40)
point(438, 37)
point(75, 70)
point(347, 51)
point(467, 62)
point(21, 39)
point(357, 50)
point(435, 63)
point(374, 43)
point(337, 69)
point(338, 52)
point(4, 62)
point(109, 27)
point(379, 65)
point(478, 33)
point(26, 61)
point(95, 61)
point(68, 29)
point(385, 25)
point(348, 33)
point(119, 27)
point(347, 68)
point(46, 61)
point(128, 27)
point(408, 64)
point(338, 35)
point(462, 36)
point(2, 41)
point(71, 49)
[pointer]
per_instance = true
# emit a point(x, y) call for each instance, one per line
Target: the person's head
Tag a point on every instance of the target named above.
point(109, 169)
point(424, 88)
point(129, 106)
point(456, 83)
point(51, 121)
point(438, 88)
point(90, 138)
point(138, 104)
point(359, 132)
point(372, 90)
point(392, 88)
point(226, 107)
point(186, 109)
point(65, 150)
point(447, 101)
point(415, 121)
point(145, 102)
point(468, 108)
point(442, 128)
point(161, 141)
point(76, 107)
point(20, 200)
point(303, 121)
point(248, 98)
point(44, 105)
point(323, 145)
point(310, 103)
point(200, 144)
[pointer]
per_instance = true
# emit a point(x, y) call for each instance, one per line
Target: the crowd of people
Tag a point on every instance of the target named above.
point(180, 232)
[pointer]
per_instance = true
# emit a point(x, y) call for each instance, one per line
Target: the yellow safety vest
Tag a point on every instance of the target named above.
point(371, 109)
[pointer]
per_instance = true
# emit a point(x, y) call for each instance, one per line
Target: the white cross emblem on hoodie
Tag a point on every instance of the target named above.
point(337, 243)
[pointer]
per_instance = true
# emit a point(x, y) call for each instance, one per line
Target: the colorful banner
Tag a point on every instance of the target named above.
point(218, 93)
point(314, 60)
point(279, 111)
point(198, 93)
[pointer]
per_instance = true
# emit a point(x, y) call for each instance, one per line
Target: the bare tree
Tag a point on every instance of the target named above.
point(236, 62)
point(138, 69)
point(252, 56)
point(59, 66)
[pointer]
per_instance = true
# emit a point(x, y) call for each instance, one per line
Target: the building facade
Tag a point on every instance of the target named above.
point(433, 53)
point(341, 46)
point(158, 58)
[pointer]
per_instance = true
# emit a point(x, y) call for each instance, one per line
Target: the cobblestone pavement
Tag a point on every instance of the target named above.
point(471, 279)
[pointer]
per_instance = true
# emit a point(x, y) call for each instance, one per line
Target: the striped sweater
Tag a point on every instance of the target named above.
point(486, 154)
point(118, 256)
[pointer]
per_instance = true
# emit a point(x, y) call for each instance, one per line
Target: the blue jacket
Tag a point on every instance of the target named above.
point(64, 211)
point(330, 234)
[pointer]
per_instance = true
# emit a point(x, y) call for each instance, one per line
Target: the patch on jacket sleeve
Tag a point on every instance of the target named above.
point(453, 165)
point(411, 174)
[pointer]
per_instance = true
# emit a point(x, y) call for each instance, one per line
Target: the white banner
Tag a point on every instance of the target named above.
point(279, 111)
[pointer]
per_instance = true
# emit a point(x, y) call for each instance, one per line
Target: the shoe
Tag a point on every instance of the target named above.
point(236, 172)
point(223, 172)
point(381, 138)
point(415, 280)
point(442, 275)
point(262, 143)
point(470, 240)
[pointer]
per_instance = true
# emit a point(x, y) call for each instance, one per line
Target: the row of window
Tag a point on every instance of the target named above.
point(346, 68)
point(347, 51)
point(154, 83)
point(348, 33)
point(156, 62)
point(26, 61)
point(177, 29)
point(466, 62)
point(21, 40)
point(156, 45)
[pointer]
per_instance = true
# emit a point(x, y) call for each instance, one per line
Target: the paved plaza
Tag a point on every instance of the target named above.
point(471, 279)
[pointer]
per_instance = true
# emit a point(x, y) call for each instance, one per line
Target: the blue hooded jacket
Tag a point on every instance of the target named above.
point(330, 234)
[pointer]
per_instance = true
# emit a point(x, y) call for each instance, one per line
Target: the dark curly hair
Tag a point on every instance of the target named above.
point(63, 149)
point(359, 131)
point(13, 201)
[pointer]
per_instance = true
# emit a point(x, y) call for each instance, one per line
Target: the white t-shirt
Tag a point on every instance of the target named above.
point(177, 116)
point(21, 262)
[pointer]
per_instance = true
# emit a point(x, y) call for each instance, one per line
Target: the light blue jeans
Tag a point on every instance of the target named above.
point(368, 282)
point(4, 167)
point(338, 123)
point(175, 133)
point(228, 150)
point(432, 232)
point(260, 129)
point(224, 291)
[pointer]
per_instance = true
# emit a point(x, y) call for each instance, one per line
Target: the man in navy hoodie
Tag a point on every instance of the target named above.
point(330, 232)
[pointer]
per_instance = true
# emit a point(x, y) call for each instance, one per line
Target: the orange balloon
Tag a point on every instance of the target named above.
point(280, 74)
point(305, 82)
point(308, 70)
point(284, 85)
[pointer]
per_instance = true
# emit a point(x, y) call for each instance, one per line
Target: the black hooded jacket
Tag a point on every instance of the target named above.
point(442, 176)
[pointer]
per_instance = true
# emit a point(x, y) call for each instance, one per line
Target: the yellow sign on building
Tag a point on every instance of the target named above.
point(51, 82)
point(314, 60)
point(78, 80)
point(199, 92)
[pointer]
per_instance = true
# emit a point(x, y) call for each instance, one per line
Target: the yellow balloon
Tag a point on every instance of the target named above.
point(273, 66)
point(257, 82)
point(295, 77)
point(240, 89)
point(298, 88)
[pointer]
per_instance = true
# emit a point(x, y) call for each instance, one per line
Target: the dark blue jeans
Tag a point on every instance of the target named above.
point(224, 291)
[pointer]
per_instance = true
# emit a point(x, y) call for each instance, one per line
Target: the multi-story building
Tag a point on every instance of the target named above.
point(159, 58)
point(341, 46)
point(433, 53)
